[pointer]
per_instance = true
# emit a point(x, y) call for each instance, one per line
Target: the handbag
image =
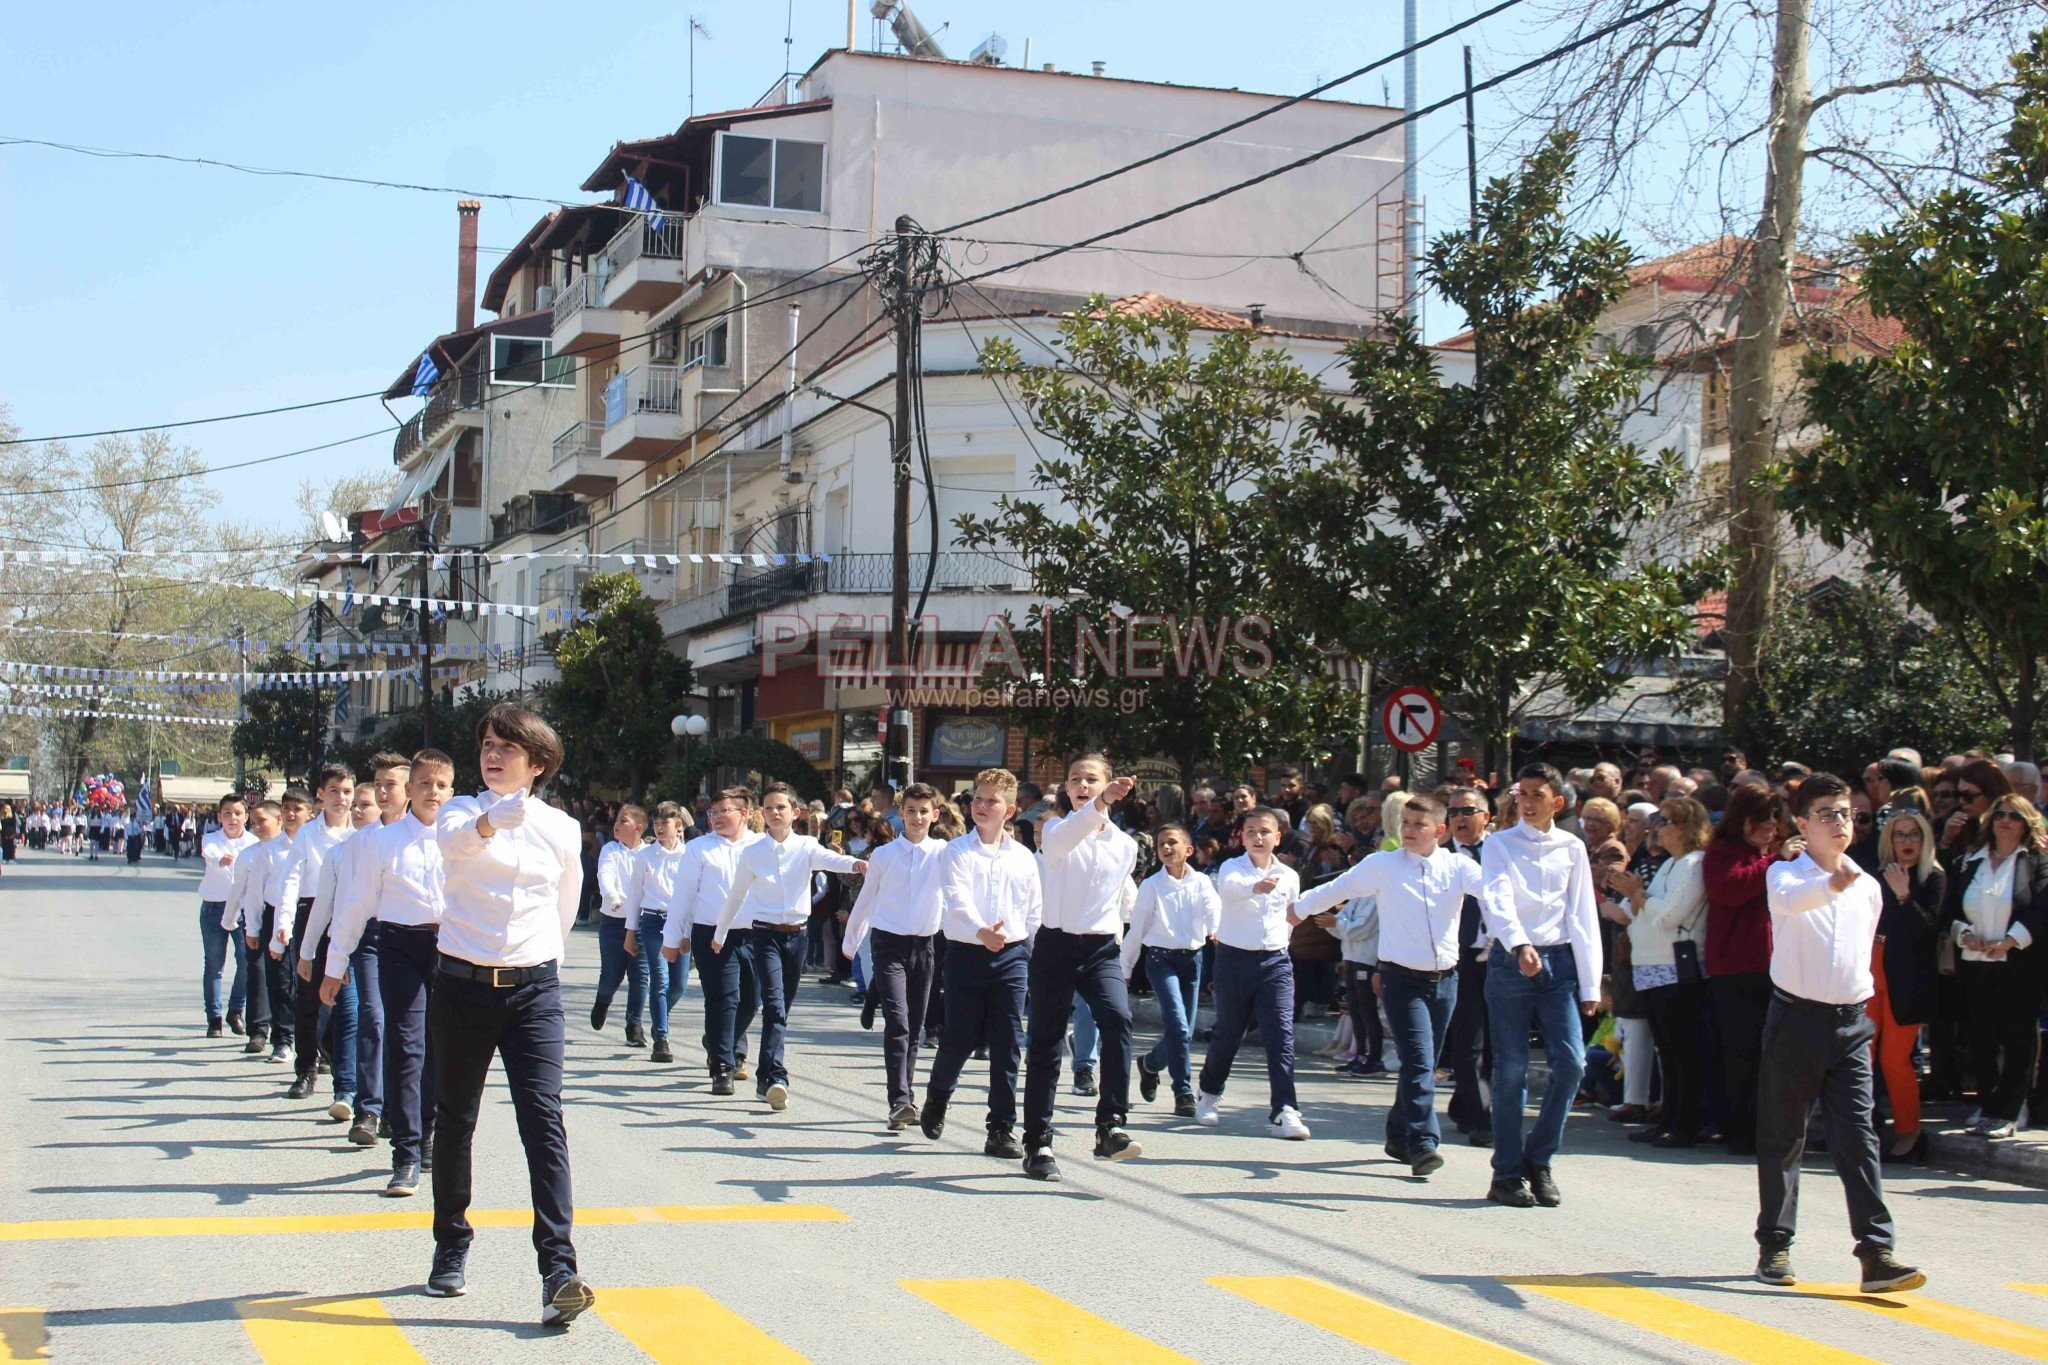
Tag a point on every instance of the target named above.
point(1685, 955)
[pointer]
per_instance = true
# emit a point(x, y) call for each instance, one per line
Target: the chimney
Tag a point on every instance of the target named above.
point(465, 265)
point(1258, 314)
point(1099, 67)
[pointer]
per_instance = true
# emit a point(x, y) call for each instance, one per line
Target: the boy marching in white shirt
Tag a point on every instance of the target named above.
point(771, 895)
point(347, 1052)
point(311, 847)
point(991, 902)
point(254, 919)
point(514, 878)
point(725, 973)
point(652, 890)
point(617, 865)
point(1420, 891)
point(900, 903)
point(218, 852)
point(1254, 978)
point(398, 881)
point(1176, 913)
point(1087, 871)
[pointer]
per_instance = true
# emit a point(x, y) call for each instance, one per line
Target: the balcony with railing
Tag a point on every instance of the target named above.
point(748, 588)
point(646, 264)
point(577, 464)
point(455, 401)
point(644, 414)
point(583, 325)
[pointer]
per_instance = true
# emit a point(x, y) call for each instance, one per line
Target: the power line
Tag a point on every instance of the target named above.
point(190, 473)
point(1585, 40)
point(1215, 133)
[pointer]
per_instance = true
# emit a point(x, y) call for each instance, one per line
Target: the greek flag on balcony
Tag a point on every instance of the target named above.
point(640, 201)
point(424, 374)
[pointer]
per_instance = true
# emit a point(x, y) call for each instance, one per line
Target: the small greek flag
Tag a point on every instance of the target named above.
point(424, 374)
point(640, 201)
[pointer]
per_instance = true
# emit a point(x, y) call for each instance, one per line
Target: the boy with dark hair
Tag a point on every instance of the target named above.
point(651, 892)
point(901, 903)
point(1254, 977)
point(218, 851)
point(617, 874)
point(726, 972)
point(315, 842)
point(253, 918)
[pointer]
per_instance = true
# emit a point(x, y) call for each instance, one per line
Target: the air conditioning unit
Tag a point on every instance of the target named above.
point(544, 296)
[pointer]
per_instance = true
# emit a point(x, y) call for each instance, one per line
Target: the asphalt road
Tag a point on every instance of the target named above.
point(160, 1200)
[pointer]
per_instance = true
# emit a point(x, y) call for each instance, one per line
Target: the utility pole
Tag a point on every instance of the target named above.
point(241, 705)
point(426, 626)
point(1472, 196)
point(1411, 175)
point(909, 314)
point(318, 749)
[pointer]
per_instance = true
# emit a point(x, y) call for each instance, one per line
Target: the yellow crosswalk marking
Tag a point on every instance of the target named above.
point(1042, 1326)
point(230, 1225)
point(1357, 1318)
point(356, 1330)
point(23, 1334)
point(2031, 1288)
point(1682, 1320)
point(685, 1324)
point(1947, 1318)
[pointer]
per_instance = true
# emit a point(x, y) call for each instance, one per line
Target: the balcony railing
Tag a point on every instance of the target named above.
point(649, 388)
point(639, 239)
point(452, 395)
point(749, 588)
point(577, 443)
point(585, 291)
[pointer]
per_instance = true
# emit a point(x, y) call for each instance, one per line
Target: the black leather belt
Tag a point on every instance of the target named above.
point(783, 928)
point(498, 978)
point(1396, 969)
point(1805, 1006)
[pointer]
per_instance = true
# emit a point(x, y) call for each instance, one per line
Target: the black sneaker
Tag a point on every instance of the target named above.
point(1883, 1274)
point(405, 1181)
point(1425, 1164)
point(867, 1009)
point(597, 1013)
point(901, 1117)
point(1183, 1106)
point(564, 1298)
point(932, 1122)
point(301, 1087)
point(1512, 1191)
point(661, 1052)
point(1003, 1143)
point(384, 1129)
point(1544, 1188)
point(1084, 1081)
point(362, 1134)
point(1148, 1082)
point(1774, 1266)
point(636, 1033)
point(214, 1029)
point(1114, 1144)
point(235, 1022)
point(1040, 1165)
point(445, 1280)
point(721, 1083)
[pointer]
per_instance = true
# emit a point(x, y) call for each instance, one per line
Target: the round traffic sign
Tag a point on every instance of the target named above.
point(1411, 718)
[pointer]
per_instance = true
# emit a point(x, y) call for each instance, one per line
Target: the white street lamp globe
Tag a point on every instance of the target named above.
point(693, 726)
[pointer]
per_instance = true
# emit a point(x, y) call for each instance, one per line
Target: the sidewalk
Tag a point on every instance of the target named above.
point(2022, 1159)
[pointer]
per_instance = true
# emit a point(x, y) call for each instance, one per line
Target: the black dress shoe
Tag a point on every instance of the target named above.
point(235, 1021)
point(1668, 1140)
point(1003, 1143)
point(1647, 1135)
point(1513, 1192)
point(597, 1013)
point(1544, 1187)
point(661, 1052)
point(1148, 1082)
point(301, 1087)
point(214, 1029)
point(867, 1009)
point(636, 1033)
point(932, 1121)
point(362, 1134)
point(721, 1083)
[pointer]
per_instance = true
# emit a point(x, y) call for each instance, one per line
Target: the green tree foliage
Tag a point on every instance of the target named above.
point(619, 687)
point(281, 728)
point(1479, 540)
point(456, 723)
point(1849, 676)
point(1150, 526)
point(1935, 457)
point(757, 755)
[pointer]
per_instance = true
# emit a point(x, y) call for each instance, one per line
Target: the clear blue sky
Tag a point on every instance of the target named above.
point(136, 292)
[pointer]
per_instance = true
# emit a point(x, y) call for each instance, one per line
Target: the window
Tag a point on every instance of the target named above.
point(530, 360)
point(769, 172)
point(709, 347)
point(468, 469)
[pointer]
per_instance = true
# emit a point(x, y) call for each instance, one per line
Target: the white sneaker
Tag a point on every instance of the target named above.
point(777, 1096)
point(1997, 1128)
point(1205, 1109)
point(1288, 1125)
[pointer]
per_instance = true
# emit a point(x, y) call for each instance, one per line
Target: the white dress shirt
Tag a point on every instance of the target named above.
point(334, 868)
point(511, 898)
point(1987, 905)
point(1820, 937)
point(984, 885)
point(315, 840)
point(1249, 919)
point(1419, 901)
point(273, 878)
point(709, 866)
point(249, 875)
point(1171, 912)
point(396, 878)
point(615, 878)
point(1088, 863)
point(1538, 890)
point(655, 885)
point(901, 894)
point(219, 874)
point(772, 883)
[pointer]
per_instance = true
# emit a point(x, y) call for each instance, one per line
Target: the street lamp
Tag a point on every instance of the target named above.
point(686, 728)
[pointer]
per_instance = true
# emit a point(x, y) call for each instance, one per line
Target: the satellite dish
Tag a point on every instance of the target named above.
point(331, 524)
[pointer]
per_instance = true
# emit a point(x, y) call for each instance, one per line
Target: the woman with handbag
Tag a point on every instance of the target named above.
point(1998, 901)
point(1903, 968)
point(1667, 918)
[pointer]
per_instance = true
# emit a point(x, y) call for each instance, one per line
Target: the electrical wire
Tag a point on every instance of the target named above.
point(190, 473)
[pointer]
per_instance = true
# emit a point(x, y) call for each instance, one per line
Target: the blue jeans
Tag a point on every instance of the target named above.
point(1419, 1012)
point(665, 979)
point(366, 981)
point(1087, 1042)
point(727, 979)
point(344, 1019)
point(1550, 1001)
point(215, 941)
point(1253, 985)
point(1176, 977)
point(615, 965)
point(779, 960)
